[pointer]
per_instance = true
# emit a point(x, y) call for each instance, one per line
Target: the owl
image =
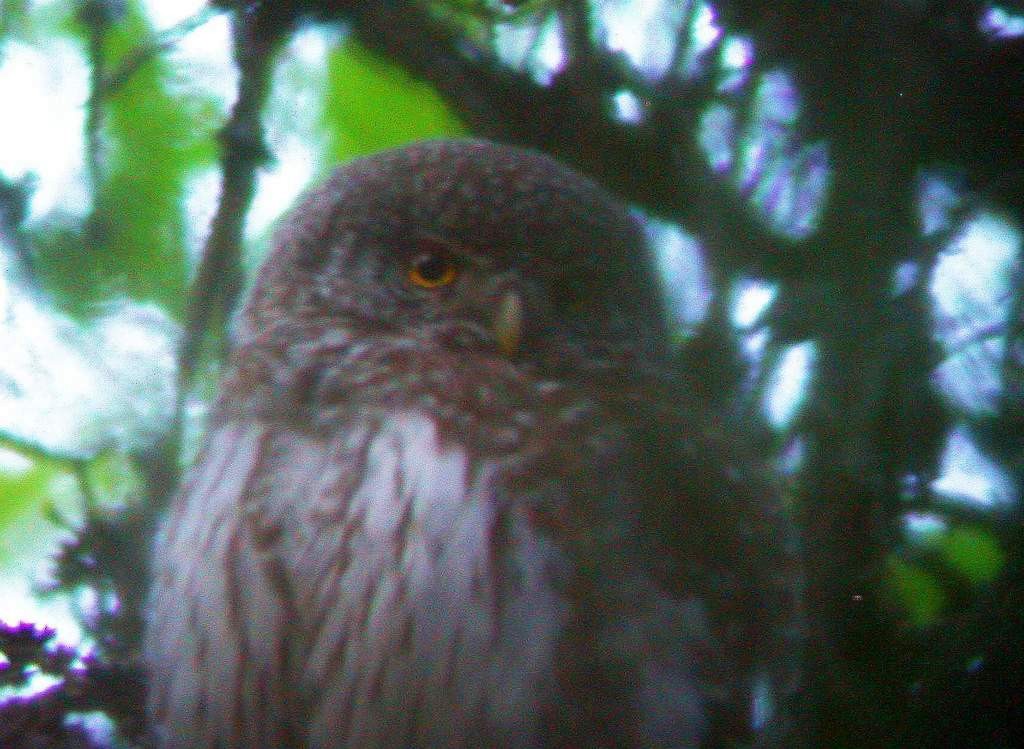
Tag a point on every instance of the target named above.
point(454, 492)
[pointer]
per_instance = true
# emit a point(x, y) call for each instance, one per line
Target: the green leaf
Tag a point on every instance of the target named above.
point(114, 479)
point(13, 16)
point(915, 591)
point(973, 553)
point(372, 104)
point(153, 135)
point(23, 489)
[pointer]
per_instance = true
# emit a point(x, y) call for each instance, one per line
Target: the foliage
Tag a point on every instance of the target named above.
point(83, 684)
point(736, 123)
point(364, 89)
point(133, 241)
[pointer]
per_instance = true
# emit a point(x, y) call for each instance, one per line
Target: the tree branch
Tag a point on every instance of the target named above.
point(142, 54)
point(218, 278)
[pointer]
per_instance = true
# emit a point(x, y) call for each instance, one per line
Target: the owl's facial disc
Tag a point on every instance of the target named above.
point(473, 245)
point(498, 299)
point(453, 282)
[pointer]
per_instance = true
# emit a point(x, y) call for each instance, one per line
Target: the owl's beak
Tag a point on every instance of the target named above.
point(508, 322)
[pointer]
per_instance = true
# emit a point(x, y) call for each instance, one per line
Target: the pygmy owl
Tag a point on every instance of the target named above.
point(453, 493)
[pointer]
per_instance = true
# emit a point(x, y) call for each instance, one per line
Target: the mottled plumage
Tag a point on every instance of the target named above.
point(453, 494)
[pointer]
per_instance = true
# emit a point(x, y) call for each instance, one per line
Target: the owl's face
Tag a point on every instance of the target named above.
point(437, 285)
point(477, 246)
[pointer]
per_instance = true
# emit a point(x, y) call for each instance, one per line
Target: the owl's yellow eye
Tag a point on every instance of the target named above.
point(431, 270)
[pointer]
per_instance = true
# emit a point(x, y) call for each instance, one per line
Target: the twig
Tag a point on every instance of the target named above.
point(135, 59)
point(78, 467)
point(218, 278)
point(14, 197)
point(96, 21)
point(1012, 368)
point(34, 450)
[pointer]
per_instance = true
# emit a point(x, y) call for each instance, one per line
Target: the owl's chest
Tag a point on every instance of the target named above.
point(430, 517)
point(431, 605)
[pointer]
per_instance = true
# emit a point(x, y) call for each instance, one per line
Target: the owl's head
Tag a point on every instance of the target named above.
point(481, 245)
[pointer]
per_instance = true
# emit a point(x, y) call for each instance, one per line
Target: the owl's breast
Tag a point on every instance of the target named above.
point(429, 612)
point(459, 547)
